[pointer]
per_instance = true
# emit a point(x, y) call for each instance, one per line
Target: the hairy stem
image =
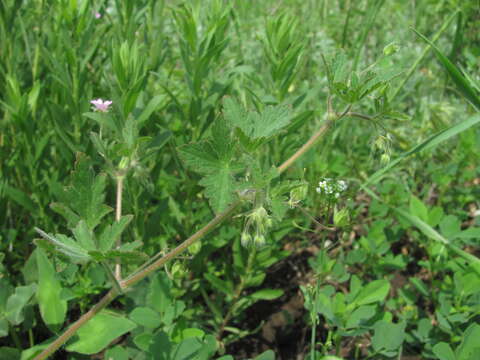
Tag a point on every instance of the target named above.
point(145, 271)
point(118, 215)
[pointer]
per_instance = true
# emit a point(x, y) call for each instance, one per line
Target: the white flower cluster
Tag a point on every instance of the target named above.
point(332, 187)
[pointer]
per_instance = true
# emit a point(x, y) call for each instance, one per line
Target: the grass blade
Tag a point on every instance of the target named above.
point(429, 143)
point(459, 79)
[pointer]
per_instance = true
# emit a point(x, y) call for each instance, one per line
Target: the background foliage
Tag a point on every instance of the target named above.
point(209, 96)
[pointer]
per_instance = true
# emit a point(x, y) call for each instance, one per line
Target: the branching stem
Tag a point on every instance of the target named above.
point(144, 272)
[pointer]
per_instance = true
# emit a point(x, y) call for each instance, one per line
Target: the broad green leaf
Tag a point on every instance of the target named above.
point(374, 291)
point(17, 301)
point(270, 121)
point(9, 353)
point(463, 84)
point(470, 347)
point(111, 233)
point(267, 355)
point(116, 353)
point(219, 188)
point(66, 246)
point(159, 295)
point(146, 317)
point(267, 294)
point(360, 315)
point(195, 348)
point(256, 125)
point(388, 336)
point(443, 351)
point(216, 165)
point(84, 236)
point(160, 347)
point(99, 332)
point(418, 208)
point(200, 157)
point(52, 307)
point(85, 195)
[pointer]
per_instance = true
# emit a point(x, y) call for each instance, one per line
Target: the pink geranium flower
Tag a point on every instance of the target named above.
point(98, 15)
point(100, 105)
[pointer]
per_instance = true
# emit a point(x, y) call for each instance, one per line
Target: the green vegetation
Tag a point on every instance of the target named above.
point(239, 179)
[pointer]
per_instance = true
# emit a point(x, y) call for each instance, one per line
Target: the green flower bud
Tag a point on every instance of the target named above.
point(195, 248)
point(390, 49)
point(384, 159)
point(259, 240)
point(341, 217)
point(246, 239)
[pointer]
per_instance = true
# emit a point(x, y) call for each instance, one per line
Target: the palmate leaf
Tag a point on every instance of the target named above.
point(214, 159)
point(84, 196)
point(219, 187)
point(256, 125)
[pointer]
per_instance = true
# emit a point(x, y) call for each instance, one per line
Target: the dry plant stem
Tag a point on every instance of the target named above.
point(118, 215)
point(136, 277)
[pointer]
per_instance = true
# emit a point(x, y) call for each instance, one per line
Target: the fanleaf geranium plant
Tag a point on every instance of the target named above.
point(236, 173)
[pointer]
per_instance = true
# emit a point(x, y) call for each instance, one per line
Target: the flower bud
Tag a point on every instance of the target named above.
point(259, 240)
point(195, 248)
point(245, 239)
point(390, 49)
point(341, 217)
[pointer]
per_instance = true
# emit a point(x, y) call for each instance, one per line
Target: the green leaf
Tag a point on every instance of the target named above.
point(9, 353)
point(418, 208)
point(112, 232)
point(360, 315)
point(84, 236)
point(52, 307)
point(116, 353)
point(219, 284)
point(85, 195)
point(428, 231)
point(463, 84)
point(374, 291)
point(159, 295)
point(267, 294)
point(17, 301)
point(444, 351)
point(256, 125)
point(20, 198)
point(219, 188)
point(200, 157)
point(99, 332)
point(267, 355)
point(427, 144)
point(146, 317)
point(470, 347)
point(152, 106)
point(215, 163)
point(388, 336)
point(66, 246)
